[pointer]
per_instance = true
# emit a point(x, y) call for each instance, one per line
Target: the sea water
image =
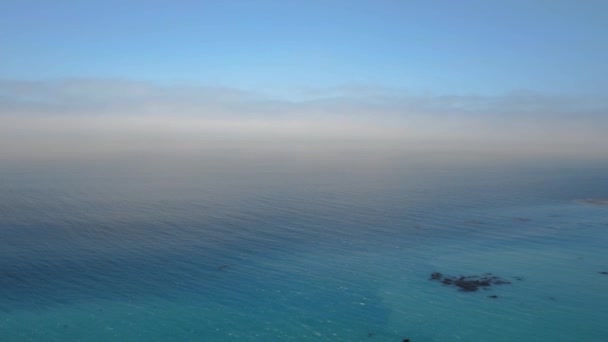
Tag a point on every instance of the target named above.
point(293, 252)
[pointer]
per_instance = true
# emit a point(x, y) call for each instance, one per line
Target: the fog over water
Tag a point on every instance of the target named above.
point(106, 118)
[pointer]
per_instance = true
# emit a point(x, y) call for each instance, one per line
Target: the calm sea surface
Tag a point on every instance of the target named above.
point(283, 251)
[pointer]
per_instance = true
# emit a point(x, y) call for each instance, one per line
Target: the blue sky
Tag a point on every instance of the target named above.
point(438, 47)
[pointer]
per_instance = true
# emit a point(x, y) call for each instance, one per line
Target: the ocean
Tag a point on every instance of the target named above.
point(288, 250)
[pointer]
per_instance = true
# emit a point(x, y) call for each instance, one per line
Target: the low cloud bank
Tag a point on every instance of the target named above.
point(76, 119)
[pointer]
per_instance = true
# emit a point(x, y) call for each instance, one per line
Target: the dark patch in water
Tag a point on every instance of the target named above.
point(522, 219)
point(223, 267)
point(469, 283)
point(473, 222)
point(493, 296)
point(603, 272)
point(406, 340)
point(518, 278)
point(436, 276)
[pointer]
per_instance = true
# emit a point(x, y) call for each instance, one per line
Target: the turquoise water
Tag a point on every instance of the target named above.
point(283, 252)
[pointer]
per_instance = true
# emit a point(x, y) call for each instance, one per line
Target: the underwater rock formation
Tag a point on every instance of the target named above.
point(469, 283)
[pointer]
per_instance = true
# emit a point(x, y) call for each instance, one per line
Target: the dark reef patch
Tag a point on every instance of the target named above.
point(469, 283)
point(436, 276)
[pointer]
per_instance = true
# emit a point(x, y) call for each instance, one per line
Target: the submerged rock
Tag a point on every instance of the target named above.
point(469, 283)
point(436, 276)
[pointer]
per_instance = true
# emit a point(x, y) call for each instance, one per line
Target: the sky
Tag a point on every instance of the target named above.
point(510, 74)
point(444, 47)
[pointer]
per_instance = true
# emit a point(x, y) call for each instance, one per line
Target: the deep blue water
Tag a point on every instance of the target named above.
point(280, 251)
